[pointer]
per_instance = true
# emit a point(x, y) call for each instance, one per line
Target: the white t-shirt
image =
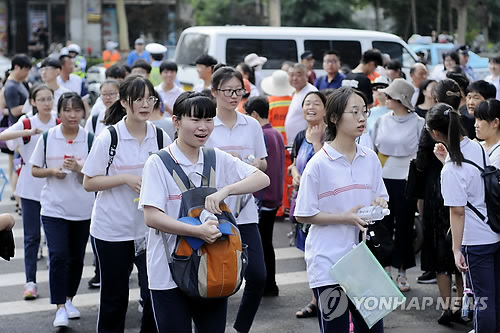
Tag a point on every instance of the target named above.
point(99, 126)
point(160, 190)
point(354, 184)
point(493, 153)
point(200, 87)
point(495, 82)
point(168, 97)
point(28, 108)
point(460, 184)
point(63, 198)
point(98, 106)
point(245, 138)
point(28, 187)
point(294, 121)
point(115, 216)
point(73, 84)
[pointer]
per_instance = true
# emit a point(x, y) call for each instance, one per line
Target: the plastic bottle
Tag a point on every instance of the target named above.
point(373, 213)
point(250, 158)
point(467, 302)
point(68, 153)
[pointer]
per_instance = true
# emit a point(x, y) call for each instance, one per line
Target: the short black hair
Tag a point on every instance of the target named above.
point(258, 104)
point(372, 55)
point(495, 59)
point(22, 61)
point(168, 66)
point(453, 55)
point(116, 71)
point(485, 89)
point(51, 62)
point(64, 56)
point(488, 110)
point(194, 104)
point(157, 56)
point(206, 60)
point(139, 63)
point(331, 52)
point(394, 65)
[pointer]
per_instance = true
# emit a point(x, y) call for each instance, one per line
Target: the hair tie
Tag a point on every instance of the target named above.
point(452, 93)
point(447, 112)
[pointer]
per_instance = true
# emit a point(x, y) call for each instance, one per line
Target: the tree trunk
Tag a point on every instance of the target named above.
point(462, 21)
point(450, 17)
point(484, 18)
point(274, 13)
point(439, 13)
point(122, 25)
point(376, 5)
point(414, 16)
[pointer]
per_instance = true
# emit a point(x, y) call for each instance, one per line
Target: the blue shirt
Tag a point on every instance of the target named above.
point(133, 56)
point(322, 82)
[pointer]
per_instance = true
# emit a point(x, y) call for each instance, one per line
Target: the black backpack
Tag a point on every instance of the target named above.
point(491, 178)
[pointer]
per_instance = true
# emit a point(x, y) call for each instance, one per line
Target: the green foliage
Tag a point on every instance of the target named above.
point(222, 12)
point(317, 13)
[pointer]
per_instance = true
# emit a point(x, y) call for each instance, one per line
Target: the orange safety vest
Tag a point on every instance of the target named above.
point(110, 58)
point(278, 108)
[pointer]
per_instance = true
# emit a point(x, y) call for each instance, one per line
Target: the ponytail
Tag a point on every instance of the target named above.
point(114, 114)
point(444, 119)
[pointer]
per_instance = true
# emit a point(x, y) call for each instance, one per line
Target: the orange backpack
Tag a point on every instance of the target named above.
point(211, 270)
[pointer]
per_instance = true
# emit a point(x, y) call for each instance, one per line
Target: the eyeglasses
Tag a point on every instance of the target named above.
point(151, 100)
point(44, 100)
point(356, 114)
point(109, 95)
point(230, 92)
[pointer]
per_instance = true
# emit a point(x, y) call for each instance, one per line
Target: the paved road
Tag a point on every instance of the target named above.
point(275, 314)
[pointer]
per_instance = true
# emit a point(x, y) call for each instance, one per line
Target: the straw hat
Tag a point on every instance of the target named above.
point(277, 84)
point(401, 90)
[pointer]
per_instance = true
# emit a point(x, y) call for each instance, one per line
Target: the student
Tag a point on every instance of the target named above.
point(66, 206)
point(29, 188)
point(487, 115)
point(116, 221)
point(109, 95)
point(270, 198)
point(242, 137)
point(205, 68)
point(160, 199)
point(167, 90)
point(494, 77)
point(161, 121)
point(477, 92)
point(116, 72)
point(476, 247)
point(141, 68)
point(330, 203)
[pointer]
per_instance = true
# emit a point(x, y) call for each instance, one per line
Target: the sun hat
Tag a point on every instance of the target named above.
point(253, 60)
point(110, 45)
point(400, 90)
point(277, 84)
point(155, 48)
point(381, 81)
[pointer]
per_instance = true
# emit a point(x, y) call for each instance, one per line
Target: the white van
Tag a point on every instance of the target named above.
point(230, 44)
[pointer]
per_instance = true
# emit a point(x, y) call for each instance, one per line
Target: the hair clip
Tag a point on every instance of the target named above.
point(452, 93)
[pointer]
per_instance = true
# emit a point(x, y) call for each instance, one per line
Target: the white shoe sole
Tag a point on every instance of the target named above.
point(73, 315)
point(61, 323)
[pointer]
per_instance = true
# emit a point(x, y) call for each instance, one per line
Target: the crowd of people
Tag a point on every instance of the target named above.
point(320, 146)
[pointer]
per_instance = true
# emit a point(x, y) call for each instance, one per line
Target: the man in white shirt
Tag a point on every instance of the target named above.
point(167, 90)
point(418, 74)
point(66, 78)
point(494, 77)
point(295, 122)
point(204, 66)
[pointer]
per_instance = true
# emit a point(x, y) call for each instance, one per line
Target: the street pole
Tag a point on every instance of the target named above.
point(122, 25)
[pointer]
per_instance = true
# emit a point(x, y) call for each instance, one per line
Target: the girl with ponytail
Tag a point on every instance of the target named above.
point(476, 248)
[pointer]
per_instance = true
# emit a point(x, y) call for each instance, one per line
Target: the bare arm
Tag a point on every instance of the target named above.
point(457, 221)
point(260, 163)
point(17, 110)
point(10, 135)
point(156, 219)
point(322, 218)
point(101, 183)
point(47, 172)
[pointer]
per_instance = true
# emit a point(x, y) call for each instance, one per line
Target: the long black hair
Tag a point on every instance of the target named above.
point(447, 91)
point(444, 119)
point(132, 88)
point(335, 107)
point(423, 86)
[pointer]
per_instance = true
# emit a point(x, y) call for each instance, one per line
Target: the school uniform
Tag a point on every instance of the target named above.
point(480, 244)
point(28, 189)
point(99, 126)
point(356, 183)
point(66, 208)
point(494, 154)
point(117, 222)
point(173, 309)
point(245, 138)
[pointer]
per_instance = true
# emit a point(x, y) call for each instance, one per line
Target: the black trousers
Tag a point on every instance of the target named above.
point(115, 260)
point(266, 228)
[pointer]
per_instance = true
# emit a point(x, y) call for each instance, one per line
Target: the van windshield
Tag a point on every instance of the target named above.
point(191, 47)
point(275, 50)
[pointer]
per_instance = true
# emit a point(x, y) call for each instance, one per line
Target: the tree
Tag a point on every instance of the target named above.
point(317, 13)
point(222, 12)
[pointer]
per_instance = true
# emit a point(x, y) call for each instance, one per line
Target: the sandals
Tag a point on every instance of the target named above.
point(308, 311)
point(403, 284)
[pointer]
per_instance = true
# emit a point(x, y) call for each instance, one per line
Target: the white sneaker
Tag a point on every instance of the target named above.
point(73, 312)
point(61, 318)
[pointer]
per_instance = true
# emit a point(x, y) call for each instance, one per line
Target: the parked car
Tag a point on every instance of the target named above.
point(434, 56)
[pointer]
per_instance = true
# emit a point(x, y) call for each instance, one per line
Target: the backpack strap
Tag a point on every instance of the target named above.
point(94, 121)
point(45, 138)
point(209, 163)
point(159, 137)
point(112, 146)
point(491, 153)
point(471, 206)
point(90, 140)
point(175, 170)
point(27, 125)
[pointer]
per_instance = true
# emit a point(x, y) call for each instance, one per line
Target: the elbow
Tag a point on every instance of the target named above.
point(87, 184)
point(301, 219)
point(265, 180)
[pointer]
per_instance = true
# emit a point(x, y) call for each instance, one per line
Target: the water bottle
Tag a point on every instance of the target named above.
point(68, 153)
point(250, 158)
point(373, 213)
point(467, 302)
point(206, 216)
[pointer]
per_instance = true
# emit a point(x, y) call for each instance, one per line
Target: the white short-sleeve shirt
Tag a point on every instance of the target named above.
point(63, 198)
point(353, 184)
point(115, 216)
point(73, 84)
point(245, 138)
point(168, 97)
point(494, 154)
point(99, 126)
point(460, 184)
point(294, 121)
point(28, 187)
point(98, 106)
point(160, 190)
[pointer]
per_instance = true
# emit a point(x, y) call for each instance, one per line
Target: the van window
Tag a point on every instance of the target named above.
point(275, 50)
point(191, 47)
point(350, 51)
point(396, 51)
